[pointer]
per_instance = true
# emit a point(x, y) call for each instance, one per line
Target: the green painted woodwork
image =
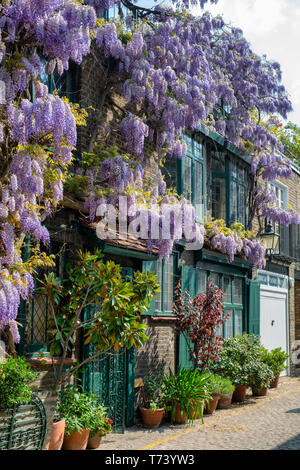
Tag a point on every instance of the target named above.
point(189, 282)
point(253, 307)
point(150, 266)
point(111, 377)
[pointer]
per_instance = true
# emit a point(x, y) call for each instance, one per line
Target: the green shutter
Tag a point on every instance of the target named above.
point(130, 365)
point(150, 266)
point(253, 307)
point(190, 282)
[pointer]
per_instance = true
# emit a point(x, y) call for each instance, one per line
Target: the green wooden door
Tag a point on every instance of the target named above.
point(253, 307)
point(111, 379)
point(190, 282)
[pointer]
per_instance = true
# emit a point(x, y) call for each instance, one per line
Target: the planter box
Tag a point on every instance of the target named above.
point(23, 427)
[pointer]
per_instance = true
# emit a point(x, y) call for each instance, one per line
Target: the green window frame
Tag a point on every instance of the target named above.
point(228, 186)
point(234, 299)
point(167, 277)
point(191, 178)
point(237, 188)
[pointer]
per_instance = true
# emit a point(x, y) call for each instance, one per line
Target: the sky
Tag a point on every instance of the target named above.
point(273, 28)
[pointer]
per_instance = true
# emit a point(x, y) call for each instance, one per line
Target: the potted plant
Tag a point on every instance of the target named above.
point(237, 354)
point(260, 376)
point(226, 392)
point(153, 410)
point(185, 394)
point(77, 409)
point(100, 425)
point(57, 433)
point(214, 387)
point(276, 360)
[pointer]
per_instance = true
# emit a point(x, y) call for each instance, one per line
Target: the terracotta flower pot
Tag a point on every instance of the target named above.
point(239, 393)
point(94, 442)
point(152, 419)
point(179, 419)
point(259, 392)
point(225, 402)
point(57, 435)
point(211, 406)
point(274, 383)
point(76, 440)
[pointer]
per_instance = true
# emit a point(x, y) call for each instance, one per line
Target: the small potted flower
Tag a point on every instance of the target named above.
point(77, 408)
point(153, 411)
point(214, 387)
point(260, 376)
point(100, 426)
point(276, 360)
point(226, 392)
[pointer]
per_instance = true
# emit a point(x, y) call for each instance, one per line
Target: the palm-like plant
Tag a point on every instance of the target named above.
point(189, 389)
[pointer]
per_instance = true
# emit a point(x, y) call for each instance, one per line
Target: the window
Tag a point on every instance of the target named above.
point(233, 304)
point(281, 193)
point(192, 178)
point(238, 193)
point(228, 186)
point(165, 277)
point(232, 287)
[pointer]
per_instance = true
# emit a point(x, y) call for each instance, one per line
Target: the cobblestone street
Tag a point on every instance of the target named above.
point(271, 422)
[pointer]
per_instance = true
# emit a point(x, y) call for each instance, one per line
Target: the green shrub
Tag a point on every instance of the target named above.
point(260, 375)
point(77, 408)
point(220, 385)
point(153, 396)
point(188, 388)
point(15, 375)
point(275, 359)
point(236, 357)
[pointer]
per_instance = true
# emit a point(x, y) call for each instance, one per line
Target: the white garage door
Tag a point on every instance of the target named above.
point(274, 315)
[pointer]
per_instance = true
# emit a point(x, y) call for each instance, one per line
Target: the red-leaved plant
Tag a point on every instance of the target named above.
point(198, 319)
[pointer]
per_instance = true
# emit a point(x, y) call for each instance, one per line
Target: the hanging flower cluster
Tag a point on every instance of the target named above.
point(31, 176)
point(234, 241)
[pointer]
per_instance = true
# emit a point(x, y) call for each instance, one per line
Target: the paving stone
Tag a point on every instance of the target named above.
point(271, 422)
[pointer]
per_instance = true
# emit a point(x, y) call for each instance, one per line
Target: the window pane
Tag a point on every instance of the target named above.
point(198, 149)
point(158, 295)
point(273, 281)
point(189, 143)
point(263, 278)
point(198, 189)
point(229, 325)
point(241, 205)
point(202, 278)
point(218, 194)
point(217, 161)
point(215, 278)
point(168, 284)
point(234, 203)
point(187, 177)
point(238, 318)
point(237, 297)
point(227, 290)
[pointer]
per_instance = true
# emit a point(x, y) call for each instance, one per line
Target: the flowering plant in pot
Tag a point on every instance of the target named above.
point(100, 425)
point(77, 408)
point(260, 376)
point(185, 394)
point(153, 410)
point(276, 360)
point(214, 387)
point(226, 391)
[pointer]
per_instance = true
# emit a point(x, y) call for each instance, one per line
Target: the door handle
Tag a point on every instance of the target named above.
point(272, 322)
